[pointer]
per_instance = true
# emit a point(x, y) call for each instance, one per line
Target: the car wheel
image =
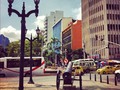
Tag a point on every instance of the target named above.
point(82, 73)
point(27, 74)
point(104, 72)
point(2, 75)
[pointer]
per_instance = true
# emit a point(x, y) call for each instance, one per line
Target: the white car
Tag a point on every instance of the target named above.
point(117, 73)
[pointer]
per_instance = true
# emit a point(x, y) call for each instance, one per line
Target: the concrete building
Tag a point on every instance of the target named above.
point(59, 26)
point(50, 21)
point(72, 36)
point(101, 27)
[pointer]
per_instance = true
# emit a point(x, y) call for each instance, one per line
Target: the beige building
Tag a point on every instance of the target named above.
point(50, 20)
point(101, 27)
point(63, 24)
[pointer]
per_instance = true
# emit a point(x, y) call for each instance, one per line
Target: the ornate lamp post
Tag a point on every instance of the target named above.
point(31, 40)
point(40, 32)
point(23, 15)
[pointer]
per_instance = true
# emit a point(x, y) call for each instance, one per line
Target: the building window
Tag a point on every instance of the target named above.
point(108, 26)
point(118, 51)
point(119, 27)
point(112, 38)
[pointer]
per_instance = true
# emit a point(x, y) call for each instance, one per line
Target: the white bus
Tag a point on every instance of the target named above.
point(87, 64)
point(9, 66)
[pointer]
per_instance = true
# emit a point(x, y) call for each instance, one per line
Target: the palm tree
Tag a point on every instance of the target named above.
point(54, 46)
point(54, 41)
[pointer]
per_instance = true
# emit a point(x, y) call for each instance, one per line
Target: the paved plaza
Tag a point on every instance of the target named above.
point(49, 83)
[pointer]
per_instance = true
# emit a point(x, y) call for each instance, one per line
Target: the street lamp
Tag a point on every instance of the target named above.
point(10, 1)
point(31, 40)
point(23, 15)
point(36, 1)
point(40, 32)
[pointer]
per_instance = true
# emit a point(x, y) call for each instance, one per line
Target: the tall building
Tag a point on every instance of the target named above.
point(50, 21)
point(72, 36)
point(101, 27)
point(59, 26)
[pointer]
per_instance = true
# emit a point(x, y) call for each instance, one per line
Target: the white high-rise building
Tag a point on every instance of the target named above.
point(101, 27)
point(50, 21)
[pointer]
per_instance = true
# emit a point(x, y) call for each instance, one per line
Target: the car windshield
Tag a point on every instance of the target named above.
point(104, 67)
point(78, 67)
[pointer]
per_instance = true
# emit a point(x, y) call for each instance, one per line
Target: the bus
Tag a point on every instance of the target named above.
point(9, 66)
point(87, 64)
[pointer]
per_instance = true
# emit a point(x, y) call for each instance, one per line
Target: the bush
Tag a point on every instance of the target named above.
point(48, 63)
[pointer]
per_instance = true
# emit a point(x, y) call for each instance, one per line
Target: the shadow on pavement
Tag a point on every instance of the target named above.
point(45, 86)
point(96, 88)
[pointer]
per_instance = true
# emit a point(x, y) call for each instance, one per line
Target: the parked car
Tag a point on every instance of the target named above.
point(106, 70)
point(77, 70)
point(117, 73)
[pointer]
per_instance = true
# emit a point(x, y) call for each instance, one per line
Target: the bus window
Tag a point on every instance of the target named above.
point(1, 64)
point(27, 63)
point(12, 63)
point(37, 62)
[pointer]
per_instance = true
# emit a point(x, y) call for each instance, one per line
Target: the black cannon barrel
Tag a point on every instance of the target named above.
point(69, 67)
point(67, 75)
point(68, 70)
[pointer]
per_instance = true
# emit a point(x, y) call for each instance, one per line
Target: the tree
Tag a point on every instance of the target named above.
point(69, 54)
point(13, 49)
point(54, 48)
point(78, 54)
point(53, 42)
point(2, 52)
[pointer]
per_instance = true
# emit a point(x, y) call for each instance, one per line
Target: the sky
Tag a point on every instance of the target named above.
point(10, 26)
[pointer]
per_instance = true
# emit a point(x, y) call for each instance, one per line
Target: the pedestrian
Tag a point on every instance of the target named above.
point(61, 62)
point(65, 62)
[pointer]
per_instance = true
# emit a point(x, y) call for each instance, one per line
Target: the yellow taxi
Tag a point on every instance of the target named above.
point(106, 70)
point(77, 70)
point(117, 67)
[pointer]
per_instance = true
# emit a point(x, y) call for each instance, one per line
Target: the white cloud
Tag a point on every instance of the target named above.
point(29, 32)
point(40, 22)
point(78, 13)
point(11, 33)
point(14, 35)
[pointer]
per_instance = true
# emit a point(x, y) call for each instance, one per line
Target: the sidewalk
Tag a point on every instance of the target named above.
point(95, 85)
point(51, 85)
point(48, 82)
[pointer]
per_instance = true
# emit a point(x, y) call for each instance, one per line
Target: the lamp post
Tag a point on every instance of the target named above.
point(84, 50)
point(40, 32)
point(31, 40)
point(23, 15)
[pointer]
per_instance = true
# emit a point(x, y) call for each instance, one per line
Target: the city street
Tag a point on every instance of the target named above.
point(44, 44)
point(49, 83)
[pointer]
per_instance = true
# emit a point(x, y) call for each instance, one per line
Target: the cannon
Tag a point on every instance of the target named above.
point(67, 77)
